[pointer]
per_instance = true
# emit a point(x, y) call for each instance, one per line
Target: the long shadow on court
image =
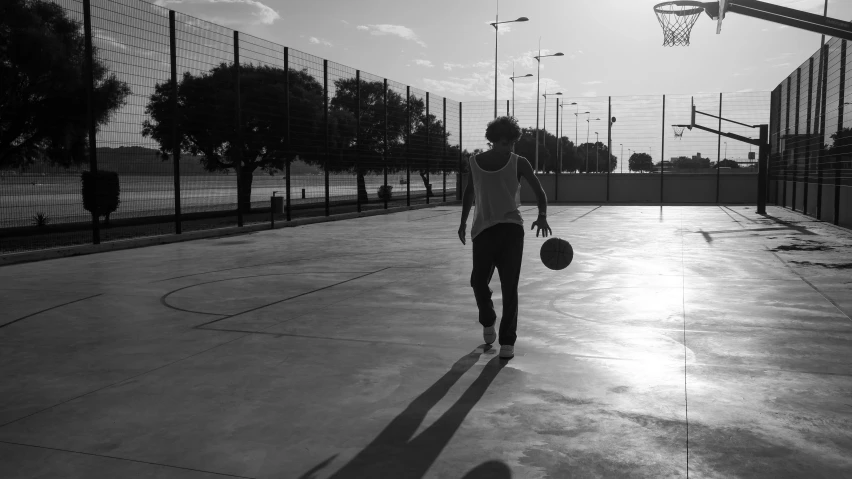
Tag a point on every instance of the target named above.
point(395, 454)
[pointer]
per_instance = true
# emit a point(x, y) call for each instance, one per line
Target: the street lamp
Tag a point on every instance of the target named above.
point(561, 148)
point(513, 85)
point(597, 163)
point(538, 92)
point(544, 127)
point(577, 115)
point(726, 152)
point(496, 17)
point(629, 154)
point(588, 124)
point(621, 158)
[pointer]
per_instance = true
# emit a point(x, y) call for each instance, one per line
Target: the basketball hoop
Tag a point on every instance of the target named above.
point(678, 131)
point(677, 19)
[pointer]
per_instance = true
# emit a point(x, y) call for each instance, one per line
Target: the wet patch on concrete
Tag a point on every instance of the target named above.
point(825, 265)
point(800, 247)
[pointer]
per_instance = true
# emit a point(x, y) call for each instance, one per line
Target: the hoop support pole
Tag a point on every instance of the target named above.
point(725, 119)
point(794, 18)
point(732, 136)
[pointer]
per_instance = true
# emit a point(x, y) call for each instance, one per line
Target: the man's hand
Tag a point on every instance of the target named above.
point(543, 227)
point(462, 232)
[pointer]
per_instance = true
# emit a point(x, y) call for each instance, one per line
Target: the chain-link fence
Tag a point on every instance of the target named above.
point(811, 137)
point(199, 127)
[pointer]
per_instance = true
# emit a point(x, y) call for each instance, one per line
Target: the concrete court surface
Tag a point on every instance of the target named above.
point(683, 339)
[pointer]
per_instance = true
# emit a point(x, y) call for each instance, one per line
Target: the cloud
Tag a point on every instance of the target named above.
point(100, 35)
point(344, 22)
point(781, 65)
point(320, 41)
point(398, 30)
point(424, 63)
point(449, 66)
point(590, 94)
point(226, 12)
point(593, 82)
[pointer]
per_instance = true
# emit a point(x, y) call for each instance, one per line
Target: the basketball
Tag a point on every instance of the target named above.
point(556, 253)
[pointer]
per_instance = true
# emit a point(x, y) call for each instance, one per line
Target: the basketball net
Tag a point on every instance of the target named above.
point(678, 131)
point(677, 19)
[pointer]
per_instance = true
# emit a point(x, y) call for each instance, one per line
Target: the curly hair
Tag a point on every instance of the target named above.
point(503, 128)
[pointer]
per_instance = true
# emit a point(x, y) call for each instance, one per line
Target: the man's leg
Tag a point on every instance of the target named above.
point(483, 270)
point(508, 261)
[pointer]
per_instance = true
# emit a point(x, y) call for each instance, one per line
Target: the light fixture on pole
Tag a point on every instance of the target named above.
point(544, 126)
point(538, 92)
point(597, 163)
point(588, 125)
point(496, 17)
point(513, 85)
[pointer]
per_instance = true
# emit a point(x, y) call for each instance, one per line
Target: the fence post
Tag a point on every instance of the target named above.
point(428, 152)
point(444, 152)
point(289, 148)
point(507, 108)
point(358, 141)
point(609, 147)
point(325, 123)
point(808, 130)
point(385, 152)
point(175, 139)
point(840, 110)
point(662, 150)
point(407, 146)
point(786, 142)
point(90, 115)
point(556, 163)
point(796, 136)
point(719, 150)
point(459, 176)
point(762, 161)
point(238, 156)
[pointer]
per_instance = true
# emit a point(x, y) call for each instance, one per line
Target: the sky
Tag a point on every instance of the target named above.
point(611, 47)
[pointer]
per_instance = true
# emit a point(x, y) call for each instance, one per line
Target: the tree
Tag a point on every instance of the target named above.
point(597, 155)
point(685, 162)
point(206, 121)
point(841, 146)
point(640, 162)
point(726, 163)
point(43, 86)
point(526, 147)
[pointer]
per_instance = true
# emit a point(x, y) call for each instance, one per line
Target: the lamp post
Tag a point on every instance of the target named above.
point(597, 163)
point(538, 92)
point(726, 151)
point(577, 115)
point(621, 158)
point(544, 126)
point(513, 85)
point(588, 125)
point(496, 17)
point(630, 155)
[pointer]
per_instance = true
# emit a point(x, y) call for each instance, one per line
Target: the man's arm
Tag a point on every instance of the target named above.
point(467, 198)
point(526, 171)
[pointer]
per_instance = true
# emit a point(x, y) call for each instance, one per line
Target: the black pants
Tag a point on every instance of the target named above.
point(500, 246)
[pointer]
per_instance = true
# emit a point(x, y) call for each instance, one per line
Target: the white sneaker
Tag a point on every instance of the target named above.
point(489, 334)
point(507, 351)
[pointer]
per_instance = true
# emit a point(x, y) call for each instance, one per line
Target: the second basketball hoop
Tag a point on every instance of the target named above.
point(678, 131)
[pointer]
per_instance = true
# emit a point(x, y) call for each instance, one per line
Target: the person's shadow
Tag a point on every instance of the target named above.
point(395, 454)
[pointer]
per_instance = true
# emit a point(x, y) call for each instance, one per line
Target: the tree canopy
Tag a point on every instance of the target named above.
point(596, 154)
point(43, 86)
point(640, 162)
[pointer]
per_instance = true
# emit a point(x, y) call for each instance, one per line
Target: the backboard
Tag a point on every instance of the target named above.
point(723, 7)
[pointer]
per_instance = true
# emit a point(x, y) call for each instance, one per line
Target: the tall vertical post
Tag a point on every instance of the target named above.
point(662, 149)
point(325, 125)
point(238, 150)
point(459, 176)
point(556, 162)
point(385, 149)
point(407, 146)
point(428, 151)
point(819, 124)
point(175, 139)
point(808, 118)
point(796, 136)
point(444, 153)
point(90, 114)
point(609, 147)
point(762, 160)
point(289, 147)
point(358, 140)
point(719, 150)
point(787, 142)
point(507, 108)
point(840, 112)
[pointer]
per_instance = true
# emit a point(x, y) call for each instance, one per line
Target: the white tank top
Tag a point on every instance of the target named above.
point(497, 195)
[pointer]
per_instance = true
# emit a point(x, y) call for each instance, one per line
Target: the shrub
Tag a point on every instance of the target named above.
point(40, 219)
point(385, 192)
point(107, 193)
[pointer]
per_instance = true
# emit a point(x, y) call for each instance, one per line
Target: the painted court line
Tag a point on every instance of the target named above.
point(48, 309)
